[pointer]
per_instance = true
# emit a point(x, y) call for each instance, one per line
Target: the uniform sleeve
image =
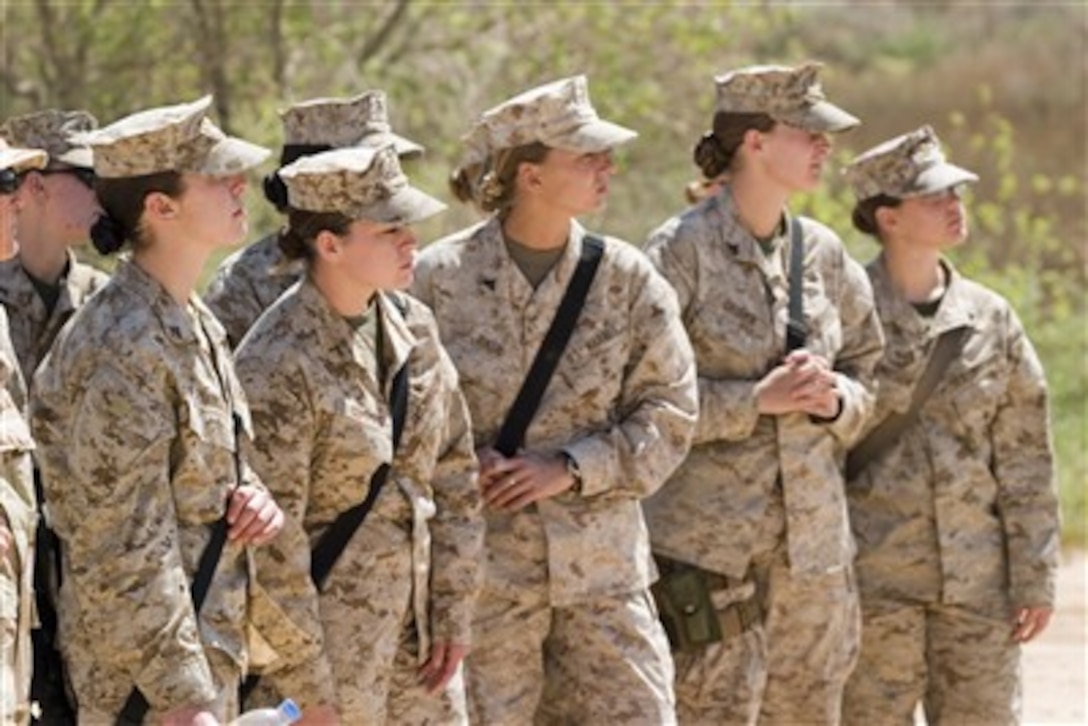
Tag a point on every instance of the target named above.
point(658, 407)
point(727, 408)
point(284, 423)
point(1023, 464)
point(114, 511)
point(230, 296)
point(458, 526)
point(862, 348)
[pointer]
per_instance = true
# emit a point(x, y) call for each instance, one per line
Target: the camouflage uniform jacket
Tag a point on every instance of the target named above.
point(323, 426)
point(247, 283)
point(963, 509)
point(133, 415)
point(622, 401)
point(33, 328)
point(734, 300)
point(18, 512)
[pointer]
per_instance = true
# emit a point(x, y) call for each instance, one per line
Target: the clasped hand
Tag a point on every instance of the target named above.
point(802, 383)
point(510, 484)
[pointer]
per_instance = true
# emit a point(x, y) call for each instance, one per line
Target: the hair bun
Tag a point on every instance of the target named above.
point(275, 191)
point(710, 157)
point(107, 234)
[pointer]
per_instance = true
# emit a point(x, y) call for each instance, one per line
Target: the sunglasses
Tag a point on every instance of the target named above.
point(10, 180)
point(85, 176)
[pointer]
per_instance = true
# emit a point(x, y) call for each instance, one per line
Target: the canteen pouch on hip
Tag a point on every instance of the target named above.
point(686, 609)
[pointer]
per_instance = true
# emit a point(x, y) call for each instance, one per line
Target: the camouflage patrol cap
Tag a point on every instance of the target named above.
point(19, 160)
point(170, 138)
point(788, 95)
point(358, 182)
point(343, 122)
point(558, 114)
point(907, 166)
point(53, 131)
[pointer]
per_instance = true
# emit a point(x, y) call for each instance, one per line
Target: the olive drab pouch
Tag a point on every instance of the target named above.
point(686, 609)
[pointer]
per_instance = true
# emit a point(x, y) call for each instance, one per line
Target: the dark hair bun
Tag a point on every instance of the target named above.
point(292, 244)
point(107, 235)
point(275, 191)
point(710, 157)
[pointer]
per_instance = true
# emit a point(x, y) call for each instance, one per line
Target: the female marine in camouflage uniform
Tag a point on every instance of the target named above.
point(138, 416)
point(757, 513)
point(566, 630)
point(956, 520)
point(250, 280)
point(45, 283)
point(18, 512)
point(320, 367)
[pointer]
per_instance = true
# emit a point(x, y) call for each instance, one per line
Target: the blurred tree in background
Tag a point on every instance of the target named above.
point(1004, 85)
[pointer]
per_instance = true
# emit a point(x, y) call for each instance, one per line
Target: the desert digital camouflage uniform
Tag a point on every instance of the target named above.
point(19, 516)
point(251, 279)
point(565, 610)
point(410, 573)
point(766, 492)
point(957, 523)
point(135, 415)
point(33, 327)
point(247, 283)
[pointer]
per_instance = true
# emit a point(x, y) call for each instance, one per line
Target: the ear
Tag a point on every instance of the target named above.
point(887, 218)
point(160, 206)
point(528, 176)
point(327, 245)
point(34, 184)
point(753, 140)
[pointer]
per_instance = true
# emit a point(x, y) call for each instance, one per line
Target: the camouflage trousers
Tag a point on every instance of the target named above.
point(811, 627)
point(603, 661)
point(224, 670)
point(961, 665)
point(14, 644)
point(371, 642)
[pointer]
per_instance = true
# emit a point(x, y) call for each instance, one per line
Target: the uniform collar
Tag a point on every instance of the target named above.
point(335, 334)
point(175, 319)
point(955, 310)
point(498, 271)
point(735, 237)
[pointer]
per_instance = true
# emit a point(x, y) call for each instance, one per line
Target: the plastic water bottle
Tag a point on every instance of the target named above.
point(284, 714)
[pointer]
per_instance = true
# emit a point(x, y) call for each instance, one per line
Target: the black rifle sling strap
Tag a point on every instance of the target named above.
point(796, 329)
point(945, 350)
point(328, 549)
point(332, 543)
point(512, 434)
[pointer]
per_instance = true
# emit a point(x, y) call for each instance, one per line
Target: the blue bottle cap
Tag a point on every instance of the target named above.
point(290, 709)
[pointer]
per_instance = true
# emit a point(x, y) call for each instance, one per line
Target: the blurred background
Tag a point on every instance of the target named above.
point(1004, 84)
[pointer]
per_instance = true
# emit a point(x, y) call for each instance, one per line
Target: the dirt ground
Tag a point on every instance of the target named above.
point(1055, 690)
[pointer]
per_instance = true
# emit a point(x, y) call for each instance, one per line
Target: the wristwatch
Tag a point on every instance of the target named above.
point(574, 470)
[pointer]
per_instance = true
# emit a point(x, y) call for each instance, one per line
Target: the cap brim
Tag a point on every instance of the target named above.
point(599, 135)
point(403, 146)
point(233, 156)
point(821, 116)
point(407, 206)
point(23, 159)
point(939, 177)
point(82, 157)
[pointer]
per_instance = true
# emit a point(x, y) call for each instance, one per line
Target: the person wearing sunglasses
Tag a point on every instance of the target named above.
point(45, 283)
point(18, 514)
point(14, 163)
point(42, 286)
